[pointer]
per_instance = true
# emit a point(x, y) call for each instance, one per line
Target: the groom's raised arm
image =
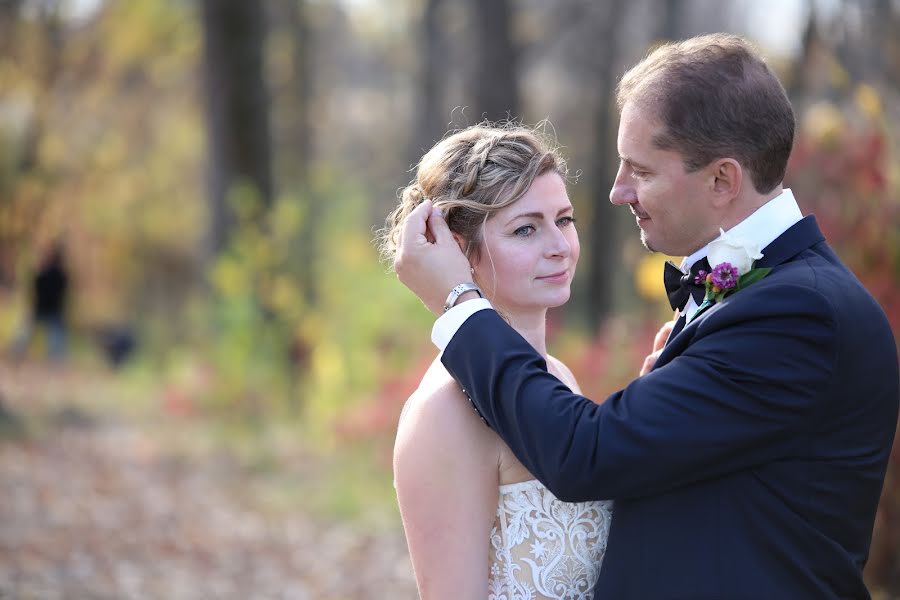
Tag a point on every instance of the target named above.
point(745, 392)
point(727, 403)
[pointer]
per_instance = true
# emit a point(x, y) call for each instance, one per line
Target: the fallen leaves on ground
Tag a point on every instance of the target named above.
point(96, 509)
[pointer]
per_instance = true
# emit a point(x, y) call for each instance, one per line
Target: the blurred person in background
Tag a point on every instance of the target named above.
point(47, 306)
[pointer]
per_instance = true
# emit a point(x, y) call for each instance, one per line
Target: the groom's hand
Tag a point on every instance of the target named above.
point(428, 259)
point(659, 342)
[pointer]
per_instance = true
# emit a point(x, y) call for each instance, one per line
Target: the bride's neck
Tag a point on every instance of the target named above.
point(532, 327)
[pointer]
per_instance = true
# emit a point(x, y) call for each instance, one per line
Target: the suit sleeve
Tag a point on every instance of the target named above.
point(743, 393)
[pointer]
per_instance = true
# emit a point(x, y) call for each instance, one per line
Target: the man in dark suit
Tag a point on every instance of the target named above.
point(749, 461)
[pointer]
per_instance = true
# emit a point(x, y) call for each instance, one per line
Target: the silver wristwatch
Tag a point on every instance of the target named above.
point(458, 291)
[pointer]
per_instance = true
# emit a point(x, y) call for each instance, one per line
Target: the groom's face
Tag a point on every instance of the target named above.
point(672, 207)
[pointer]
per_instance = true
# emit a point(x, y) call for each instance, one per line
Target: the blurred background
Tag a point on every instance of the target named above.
point(203, 360)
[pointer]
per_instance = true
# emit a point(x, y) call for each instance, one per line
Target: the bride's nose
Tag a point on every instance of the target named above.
point(557, 245)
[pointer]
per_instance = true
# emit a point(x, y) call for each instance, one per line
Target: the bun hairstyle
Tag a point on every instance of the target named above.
point(470, 175)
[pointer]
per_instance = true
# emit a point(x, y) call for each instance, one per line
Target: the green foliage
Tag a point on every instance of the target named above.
point(271, 348)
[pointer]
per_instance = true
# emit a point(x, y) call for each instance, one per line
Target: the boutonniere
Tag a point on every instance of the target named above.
point(732, 259)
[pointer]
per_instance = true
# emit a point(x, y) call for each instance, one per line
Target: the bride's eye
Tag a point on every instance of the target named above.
point(524, 231)
point(565, 221)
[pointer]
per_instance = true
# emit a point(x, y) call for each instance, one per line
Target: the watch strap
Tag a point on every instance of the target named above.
point(458, 291)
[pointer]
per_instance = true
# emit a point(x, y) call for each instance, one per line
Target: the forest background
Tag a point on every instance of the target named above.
point(216, 172)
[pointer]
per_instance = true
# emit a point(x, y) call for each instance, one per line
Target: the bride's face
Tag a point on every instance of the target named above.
point(529, 249)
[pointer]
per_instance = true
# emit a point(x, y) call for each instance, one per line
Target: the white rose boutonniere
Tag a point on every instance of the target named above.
point(732, 259)
point(738, 252)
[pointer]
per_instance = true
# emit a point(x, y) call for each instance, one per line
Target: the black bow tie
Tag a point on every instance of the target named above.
point(680, 285)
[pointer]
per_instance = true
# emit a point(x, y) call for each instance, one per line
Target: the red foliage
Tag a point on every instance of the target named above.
point(612, 358)
point(378, 416)
point(846, 186)
point(177, 403)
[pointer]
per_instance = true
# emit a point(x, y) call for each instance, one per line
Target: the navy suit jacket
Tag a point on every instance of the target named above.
point(747, 464)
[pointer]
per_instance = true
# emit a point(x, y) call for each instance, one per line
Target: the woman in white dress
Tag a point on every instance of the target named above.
point(477, 523)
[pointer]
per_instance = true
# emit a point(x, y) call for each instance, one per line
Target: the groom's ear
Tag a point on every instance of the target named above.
point(727, 179)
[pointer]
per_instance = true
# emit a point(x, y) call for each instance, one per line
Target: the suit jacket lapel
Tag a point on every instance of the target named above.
point(679, 325)
point(702, 309)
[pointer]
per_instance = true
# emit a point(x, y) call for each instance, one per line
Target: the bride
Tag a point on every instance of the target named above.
point(477, 523)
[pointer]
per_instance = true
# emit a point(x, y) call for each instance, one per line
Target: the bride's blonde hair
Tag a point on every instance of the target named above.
point(470, 175)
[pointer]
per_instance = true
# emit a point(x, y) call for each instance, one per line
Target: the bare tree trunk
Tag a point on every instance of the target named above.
point(670, 20)
point(302, 131)
point(302, 143)
point(797, 85)
point(496, 90)
point(9, 18)
point(237, 109)
point(604, 239)
point(884, 55)
point(49, 50)
point(429, 124)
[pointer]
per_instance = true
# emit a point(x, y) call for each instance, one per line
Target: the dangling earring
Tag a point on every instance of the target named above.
point(472, 270)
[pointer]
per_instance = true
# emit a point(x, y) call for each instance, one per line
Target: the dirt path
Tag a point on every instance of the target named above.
point(98, 510)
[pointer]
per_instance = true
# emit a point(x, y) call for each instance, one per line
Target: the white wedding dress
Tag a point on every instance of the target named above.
point(542, 547)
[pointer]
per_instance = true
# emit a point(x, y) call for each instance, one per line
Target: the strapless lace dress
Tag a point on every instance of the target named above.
point(542, 547)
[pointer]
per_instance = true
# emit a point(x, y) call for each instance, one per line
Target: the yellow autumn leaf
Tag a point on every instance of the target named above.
point(284, 294)
point(228, 277)
point(824, 123)
point(868, 100)
point(838, 75)
point(328, 362)
point(648, 276)
point(286, 218)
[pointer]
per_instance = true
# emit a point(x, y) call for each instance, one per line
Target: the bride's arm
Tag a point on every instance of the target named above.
point(446, 473)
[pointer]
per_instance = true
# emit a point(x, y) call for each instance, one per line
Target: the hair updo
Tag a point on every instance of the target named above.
point(472, 174)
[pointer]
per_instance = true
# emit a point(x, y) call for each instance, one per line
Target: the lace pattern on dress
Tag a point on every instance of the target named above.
point(542, 547)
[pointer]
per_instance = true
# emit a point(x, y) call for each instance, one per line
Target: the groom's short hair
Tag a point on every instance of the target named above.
point(715, 97)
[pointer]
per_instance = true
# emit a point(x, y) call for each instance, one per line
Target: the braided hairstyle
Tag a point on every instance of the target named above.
point(470, 175)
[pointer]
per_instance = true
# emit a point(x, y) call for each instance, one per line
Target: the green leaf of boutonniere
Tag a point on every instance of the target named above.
point(751, 277)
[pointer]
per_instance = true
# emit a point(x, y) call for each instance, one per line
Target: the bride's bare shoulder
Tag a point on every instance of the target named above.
point(563, 373)
point(439, 406)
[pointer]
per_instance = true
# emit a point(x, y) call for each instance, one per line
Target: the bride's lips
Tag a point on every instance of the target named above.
point(560, 277)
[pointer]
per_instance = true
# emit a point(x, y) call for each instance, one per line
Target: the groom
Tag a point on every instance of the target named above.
point(749, 461)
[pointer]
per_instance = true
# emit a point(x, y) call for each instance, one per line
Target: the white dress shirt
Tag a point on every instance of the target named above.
point(763, 226)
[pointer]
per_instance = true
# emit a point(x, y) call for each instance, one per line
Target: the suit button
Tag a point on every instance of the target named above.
point(478, 412)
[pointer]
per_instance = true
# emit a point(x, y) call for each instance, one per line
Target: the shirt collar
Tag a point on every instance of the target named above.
point(762, 227)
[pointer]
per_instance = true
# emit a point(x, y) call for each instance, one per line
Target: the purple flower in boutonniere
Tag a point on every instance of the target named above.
point(732, 259)
point(701, 277)
point(724, 276)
